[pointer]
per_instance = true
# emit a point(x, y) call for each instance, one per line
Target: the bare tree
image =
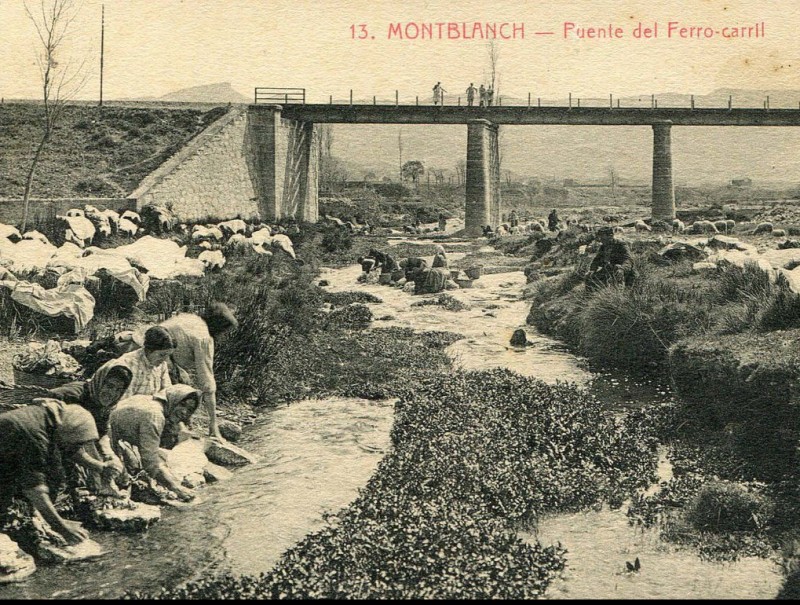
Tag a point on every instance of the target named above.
point(461, 171)
point(493, 51)
point(612, 173)
point(61, 79)
point(400, 151)
point(438, 175)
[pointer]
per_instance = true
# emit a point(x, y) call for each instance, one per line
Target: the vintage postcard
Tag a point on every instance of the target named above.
point(355, 299)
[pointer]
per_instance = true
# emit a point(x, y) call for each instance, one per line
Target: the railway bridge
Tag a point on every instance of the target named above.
point(287, 149)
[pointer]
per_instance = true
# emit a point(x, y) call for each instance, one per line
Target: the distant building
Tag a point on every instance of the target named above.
point(747, 182)
point(570, 183)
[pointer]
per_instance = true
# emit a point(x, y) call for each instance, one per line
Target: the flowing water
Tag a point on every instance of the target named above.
point(316, 454)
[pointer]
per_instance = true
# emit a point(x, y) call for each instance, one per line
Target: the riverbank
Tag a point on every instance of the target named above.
point(726, 338)
point(371, 549)
point(477, 458)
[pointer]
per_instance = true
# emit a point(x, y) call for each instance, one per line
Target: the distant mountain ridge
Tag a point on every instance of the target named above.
point(223, 92)
point(220, 92)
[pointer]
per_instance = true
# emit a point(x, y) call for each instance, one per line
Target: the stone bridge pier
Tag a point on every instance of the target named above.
point(483, 200)
point(287, 163)
point(663, 195)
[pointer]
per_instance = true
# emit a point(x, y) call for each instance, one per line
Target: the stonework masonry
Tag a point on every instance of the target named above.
point(483, 177)
point(212, 177)
point(287, 158)
point(247, 164)
point(663, 204)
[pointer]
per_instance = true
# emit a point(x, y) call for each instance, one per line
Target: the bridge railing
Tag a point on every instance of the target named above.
point(298, 96)
point(280, 95)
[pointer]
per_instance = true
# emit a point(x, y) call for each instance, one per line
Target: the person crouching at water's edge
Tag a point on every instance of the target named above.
point(193, 355)
point(141, 421)
point(36, 438)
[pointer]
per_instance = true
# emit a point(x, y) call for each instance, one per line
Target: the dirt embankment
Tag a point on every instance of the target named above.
point(94, 151)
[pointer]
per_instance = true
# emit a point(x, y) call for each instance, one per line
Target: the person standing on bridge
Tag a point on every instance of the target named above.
point(471, 94)
point(438, 94)
point(489, 96)
point(482, 92)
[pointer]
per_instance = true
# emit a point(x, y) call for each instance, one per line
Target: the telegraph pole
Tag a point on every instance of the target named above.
point(400, 150)
point(102, 48)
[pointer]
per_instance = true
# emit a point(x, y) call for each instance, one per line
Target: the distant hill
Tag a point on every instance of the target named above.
point(221, 92)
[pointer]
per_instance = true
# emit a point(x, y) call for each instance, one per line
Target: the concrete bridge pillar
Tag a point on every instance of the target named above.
point(482, 178)
point(663, 205)
point(286, 161)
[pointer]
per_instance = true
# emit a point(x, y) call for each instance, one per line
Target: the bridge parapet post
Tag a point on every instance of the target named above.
point(663, 195)
point(482, 178)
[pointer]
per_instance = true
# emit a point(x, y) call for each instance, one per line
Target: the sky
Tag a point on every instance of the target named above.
point(153, 47)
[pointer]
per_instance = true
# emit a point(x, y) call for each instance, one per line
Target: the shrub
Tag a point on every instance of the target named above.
point(633, 327)
point(739, 284)
point(445, 301)
point(391, 190)
point(724, 506)
point(782, 312)
point(297, 306)
point(254, 343)
point(355, 317)
point(556, 287)
point(338, 299)
point(336, 239)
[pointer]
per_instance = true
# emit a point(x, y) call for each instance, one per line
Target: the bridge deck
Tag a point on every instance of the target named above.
point(523, 115)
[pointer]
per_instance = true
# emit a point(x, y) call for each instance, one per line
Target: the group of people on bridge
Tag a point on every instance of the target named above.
point(485, 95)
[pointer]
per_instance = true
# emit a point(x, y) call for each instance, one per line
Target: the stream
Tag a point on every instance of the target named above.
point(316, 454)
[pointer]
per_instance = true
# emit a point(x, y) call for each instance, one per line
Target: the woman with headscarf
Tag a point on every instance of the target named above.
point(36, 438)
point(99, 395)
point(142, 421)
point(440, 258)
